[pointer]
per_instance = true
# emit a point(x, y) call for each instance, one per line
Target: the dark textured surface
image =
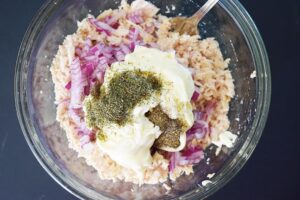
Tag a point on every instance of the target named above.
point(272, 171)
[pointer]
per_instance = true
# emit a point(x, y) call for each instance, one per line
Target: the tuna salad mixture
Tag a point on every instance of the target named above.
point(138, 101)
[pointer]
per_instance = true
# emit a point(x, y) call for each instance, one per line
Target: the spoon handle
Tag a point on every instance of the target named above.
point(203, 11)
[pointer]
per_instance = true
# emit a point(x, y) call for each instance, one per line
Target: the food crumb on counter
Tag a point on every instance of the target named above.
point(210, 175)
point(206, 182)
point(253, 74)
point(168, 9)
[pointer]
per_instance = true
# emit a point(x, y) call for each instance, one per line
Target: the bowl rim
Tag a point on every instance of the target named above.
point(230, 169)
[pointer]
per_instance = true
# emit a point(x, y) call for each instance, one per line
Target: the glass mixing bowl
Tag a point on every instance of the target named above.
point(239, 40)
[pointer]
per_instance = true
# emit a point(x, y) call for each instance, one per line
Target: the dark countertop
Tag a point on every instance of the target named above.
point(271, 173)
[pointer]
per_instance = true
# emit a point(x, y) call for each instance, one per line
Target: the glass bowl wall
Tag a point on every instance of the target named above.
point(239, 40)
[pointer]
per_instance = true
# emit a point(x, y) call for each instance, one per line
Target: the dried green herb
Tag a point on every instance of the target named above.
point(125, 91)
point(101, 136)
point(170, 128)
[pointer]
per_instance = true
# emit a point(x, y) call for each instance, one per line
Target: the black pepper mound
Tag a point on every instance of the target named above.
point(170, 128)
point(125, 90)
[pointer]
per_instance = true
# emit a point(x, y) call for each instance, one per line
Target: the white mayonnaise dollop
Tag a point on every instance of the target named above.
point(129, 145)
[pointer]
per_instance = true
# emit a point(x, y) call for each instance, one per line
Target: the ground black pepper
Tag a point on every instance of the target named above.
point(170, 128)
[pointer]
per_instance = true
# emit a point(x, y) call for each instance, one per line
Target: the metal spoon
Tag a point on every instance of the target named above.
point(184, 25)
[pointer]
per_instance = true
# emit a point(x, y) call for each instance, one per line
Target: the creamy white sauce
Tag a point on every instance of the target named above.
point(179, 85)
point(129, 145)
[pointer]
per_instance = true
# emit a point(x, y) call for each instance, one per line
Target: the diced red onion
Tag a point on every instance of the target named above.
point(125, 49)
point(78, 51)
point(92, 136)
point(133, 34)
point(102, 26)
point(210, 107)
point(100, 77)
point(112, 60)
point(89, 68)
point(79, 81)
point(142, 43)
point(112, 21)
point(103, 62)
point(108, 49)
point(88, 42)
point(119, 55)
point(199, 115)
point(136, 17)
point(75, 116)
point(100, 69)
point(91, 58)
point(108, 56)
point(195, 157)
point(87, 45)
point(196, 94)
point(132, 46)
point(85, 139)
point(68, 85)
point(199, 129)
point(173, 161)
point(109, 19)
point(86, 90)
point(97, 49)
point(186, 157)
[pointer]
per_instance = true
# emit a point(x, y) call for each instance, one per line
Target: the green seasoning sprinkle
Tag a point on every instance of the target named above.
point(101, 136)
point(125, 90)
point(170, 128)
